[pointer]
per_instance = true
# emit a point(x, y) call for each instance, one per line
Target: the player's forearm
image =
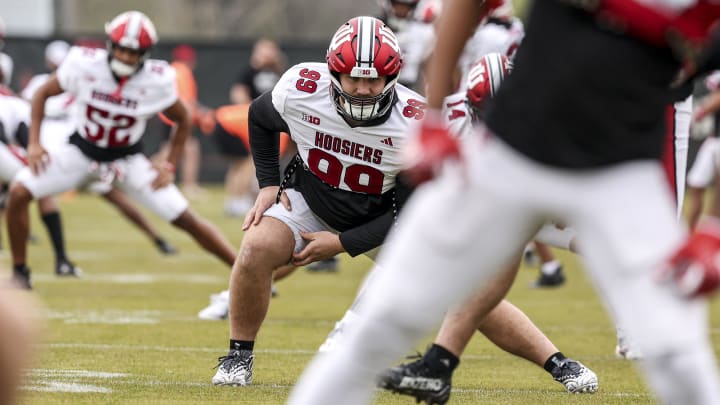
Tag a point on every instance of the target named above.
point(37, 113)
point(367, 236)
point(182, 133)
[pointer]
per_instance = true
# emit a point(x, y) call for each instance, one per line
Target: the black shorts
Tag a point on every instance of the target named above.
point(229, 144)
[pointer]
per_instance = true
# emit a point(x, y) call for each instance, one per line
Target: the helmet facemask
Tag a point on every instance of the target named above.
point(358, 108)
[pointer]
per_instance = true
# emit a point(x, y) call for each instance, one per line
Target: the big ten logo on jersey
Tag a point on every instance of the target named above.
point(308, 80)
point(310, 118)
point(360, 178)
point(414, 109)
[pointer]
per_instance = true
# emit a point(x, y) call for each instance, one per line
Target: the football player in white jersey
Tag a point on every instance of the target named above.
point(348, 117)
point(415, 35)
point(59, 124)
point(14, 120)
point(116, 92)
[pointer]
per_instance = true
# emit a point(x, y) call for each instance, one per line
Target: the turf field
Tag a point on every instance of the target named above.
point(127, 332)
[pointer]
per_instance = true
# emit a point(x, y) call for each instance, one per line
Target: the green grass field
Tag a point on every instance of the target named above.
point(127, 332)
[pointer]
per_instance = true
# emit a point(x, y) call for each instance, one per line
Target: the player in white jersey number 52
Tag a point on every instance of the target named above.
point(116, 92)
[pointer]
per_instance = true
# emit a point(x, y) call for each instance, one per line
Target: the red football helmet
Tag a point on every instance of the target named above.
point(132, 30)
point(364, 47)
point(484, 80)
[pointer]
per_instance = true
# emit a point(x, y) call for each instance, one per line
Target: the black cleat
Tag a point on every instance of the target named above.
point(67, 269)
point(165, 248)
point(417, 380)
point(553, 280)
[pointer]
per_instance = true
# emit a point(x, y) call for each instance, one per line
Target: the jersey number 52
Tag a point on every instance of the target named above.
point(101, 124)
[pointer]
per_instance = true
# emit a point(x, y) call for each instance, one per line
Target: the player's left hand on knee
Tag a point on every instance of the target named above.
point(427, 151)
point(695, 267)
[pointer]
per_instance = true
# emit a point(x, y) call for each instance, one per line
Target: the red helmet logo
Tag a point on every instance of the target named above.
point(132, 29)
point(485, 77)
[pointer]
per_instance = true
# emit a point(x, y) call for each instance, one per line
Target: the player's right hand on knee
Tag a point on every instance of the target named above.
point(267, 197)
point(427, 151)
point(695, 268)
point(37, 158)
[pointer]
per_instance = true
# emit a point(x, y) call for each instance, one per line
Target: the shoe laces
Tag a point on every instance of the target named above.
point(416, 367)
point(568, 369)
point(235, 360)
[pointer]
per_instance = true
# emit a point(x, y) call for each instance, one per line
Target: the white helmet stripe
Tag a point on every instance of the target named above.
point(365, 42)
point(134, 25)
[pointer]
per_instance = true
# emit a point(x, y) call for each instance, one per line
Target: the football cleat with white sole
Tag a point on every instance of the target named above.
point(218, 309)
point(417, 380)
point(575, 377)
point(235, 369)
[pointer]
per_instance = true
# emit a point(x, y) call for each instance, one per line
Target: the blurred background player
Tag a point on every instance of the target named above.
point(502, 32)
point(57, 126)
point(412, 25)
point(6, 64)
point(14, 119)
point(703, 173)
point(267, 64)
point(111, 116)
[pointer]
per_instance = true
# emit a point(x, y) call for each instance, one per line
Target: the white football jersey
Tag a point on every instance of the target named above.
point(13, 112)
point(491, 38)
point(457, 114)
point(56, 107)
point(361, 159)
point(105, 118)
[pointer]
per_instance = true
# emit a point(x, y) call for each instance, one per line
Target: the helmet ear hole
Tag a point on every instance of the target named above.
point(364, 47)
